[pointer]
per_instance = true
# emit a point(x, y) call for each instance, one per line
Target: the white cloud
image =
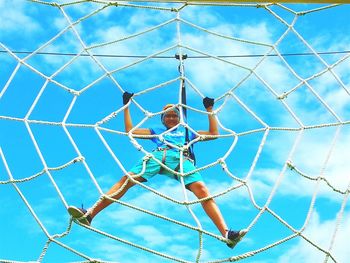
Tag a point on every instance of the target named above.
point(146, 18)
point(219, 75)
point(111, 34)
point(258, 32)
point(151, 235)
point(148, 200)
point(16, 18)
point(112, 250)
point(142, 45)
point(311, 153)
point(332, 92)
point(309, 157)
point(335, 173)
point(60, 22)
point(320, 232)
point(153, 239)
point(201, 15)
point(81, 10)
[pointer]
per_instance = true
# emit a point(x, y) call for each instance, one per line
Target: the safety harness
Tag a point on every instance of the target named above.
point(177, 168)
point(181, 69)
point(189, 153)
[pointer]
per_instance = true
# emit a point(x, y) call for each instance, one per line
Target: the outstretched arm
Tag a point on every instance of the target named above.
point(213, 125)
point(127, 117)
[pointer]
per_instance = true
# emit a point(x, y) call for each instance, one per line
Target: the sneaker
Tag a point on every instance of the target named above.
point(78, 214)
point(233, 237)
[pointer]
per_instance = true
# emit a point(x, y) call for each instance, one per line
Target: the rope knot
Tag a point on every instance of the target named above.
point(148, 114)
point(283, 96)
point(290, 165)
point(147, 157)
point(222, 163)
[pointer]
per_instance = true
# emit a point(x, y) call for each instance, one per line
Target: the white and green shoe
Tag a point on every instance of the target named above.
point(233, 237)
point(79, 214)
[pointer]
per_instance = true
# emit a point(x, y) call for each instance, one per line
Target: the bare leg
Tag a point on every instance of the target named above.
point(115, 188)
point(209, 206)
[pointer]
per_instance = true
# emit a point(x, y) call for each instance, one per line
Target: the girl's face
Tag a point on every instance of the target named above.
point(171, 119)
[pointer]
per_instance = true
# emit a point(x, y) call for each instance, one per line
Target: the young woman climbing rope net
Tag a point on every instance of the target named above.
point(166, 160)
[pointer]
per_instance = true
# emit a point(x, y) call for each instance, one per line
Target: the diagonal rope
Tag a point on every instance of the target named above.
point(221, 162)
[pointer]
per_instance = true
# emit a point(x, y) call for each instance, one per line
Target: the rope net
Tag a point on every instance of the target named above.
point(280, 78)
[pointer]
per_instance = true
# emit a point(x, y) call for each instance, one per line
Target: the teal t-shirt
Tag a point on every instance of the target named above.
point(176, 136)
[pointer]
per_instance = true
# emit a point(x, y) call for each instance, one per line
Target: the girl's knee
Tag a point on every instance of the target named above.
point(126, 180)
point(204, 192)
point(200, 190)
point(130, 182)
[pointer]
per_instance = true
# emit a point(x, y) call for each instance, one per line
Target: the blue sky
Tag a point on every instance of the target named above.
point(262, 132)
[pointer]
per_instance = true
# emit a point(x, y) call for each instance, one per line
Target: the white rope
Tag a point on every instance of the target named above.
point(180, 47)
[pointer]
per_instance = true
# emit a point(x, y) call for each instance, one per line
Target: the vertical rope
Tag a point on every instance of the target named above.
point(264, 129)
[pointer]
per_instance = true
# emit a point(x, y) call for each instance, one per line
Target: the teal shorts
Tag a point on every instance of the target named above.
point(172, 160)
